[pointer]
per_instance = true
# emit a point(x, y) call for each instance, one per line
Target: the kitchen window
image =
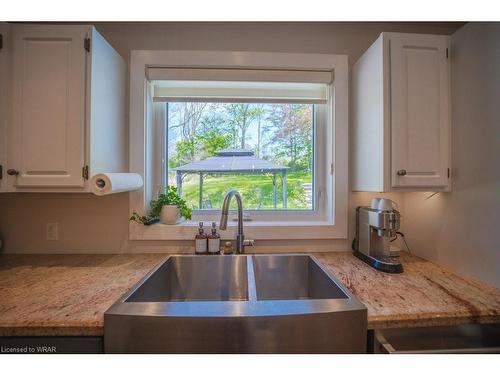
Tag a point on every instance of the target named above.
point(263, 150)
point(270, 132)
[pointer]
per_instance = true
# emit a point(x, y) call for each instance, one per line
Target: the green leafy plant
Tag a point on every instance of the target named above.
point(169, 197)
point(145, 220)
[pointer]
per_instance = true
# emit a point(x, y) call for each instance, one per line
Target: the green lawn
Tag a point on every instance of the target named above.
point(256, 190)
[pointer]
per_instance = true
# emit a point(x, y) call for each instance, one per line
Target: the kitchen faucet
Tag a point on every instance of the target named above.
point(240, 237)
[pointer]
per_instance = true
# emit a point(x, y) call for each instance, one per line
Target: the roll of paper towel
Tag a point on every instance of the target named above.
point(110, 183)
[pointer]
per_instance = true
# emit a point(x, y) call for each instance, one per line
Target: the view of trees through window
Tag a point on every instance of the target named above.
point(281, 135)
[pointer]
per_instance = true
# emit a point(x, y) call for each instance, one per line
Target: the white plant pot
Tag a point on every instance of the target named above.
point(170, 214)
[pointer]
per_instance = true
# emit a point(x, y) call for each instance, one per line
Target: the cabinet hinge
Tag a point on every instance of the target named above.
point(85, 172)
point(447, 53)
point(332, 169)
point(1, 41)
point(1, 172)
point(448, 172)
point(86, 44)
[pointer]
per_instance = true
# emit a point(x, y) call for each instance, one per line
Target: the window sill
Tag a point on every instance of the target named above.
point(257, 230)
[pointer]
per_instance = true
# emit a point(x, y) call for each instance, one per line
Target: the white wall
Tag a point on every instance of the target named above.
point(91, 224)
point(461, 229)
point(99, 224)
point(347, 38)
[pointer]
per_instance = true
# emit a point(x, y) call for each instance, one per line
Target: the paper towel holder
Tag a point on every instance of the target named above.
point(100, 183)
point(114, 182)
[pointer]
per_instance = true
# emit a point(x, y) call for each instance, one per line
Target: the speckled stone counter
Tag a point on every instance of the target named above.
point(423, 295)
point(64, 295)
point(67, 295)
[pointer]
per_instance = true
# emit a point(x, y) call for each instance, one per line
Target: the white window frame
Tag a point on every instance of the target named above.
point(143, 131)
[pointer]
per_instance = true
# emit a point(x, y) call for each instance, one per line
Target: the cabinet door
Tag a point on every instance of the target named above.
point(420, 119)
point(46, 139)
point(4, 89)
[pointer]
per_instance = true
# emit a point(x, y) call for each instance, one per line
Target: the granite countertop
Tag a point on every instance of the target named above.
point(425, 294)
point(67, 295)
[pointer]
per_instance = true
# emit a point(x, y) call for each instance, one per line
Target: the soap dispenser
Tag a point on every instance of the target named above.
point(201, 244)
point(214, 241)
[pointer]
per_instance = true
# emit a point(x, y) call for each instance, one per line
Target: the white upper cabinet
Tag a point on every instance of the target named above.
point(67, 108)
point(48, 105)
point(420, 113)
point(401, 114)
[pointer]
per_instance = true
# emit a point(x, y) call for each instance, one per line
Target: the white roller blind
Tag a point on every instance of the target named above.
point(240, 92)
point(242, 75)
point(240, 85)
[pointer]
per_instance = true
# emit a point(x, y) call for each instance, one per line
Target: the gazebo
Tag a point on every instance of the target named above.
point(233, 161)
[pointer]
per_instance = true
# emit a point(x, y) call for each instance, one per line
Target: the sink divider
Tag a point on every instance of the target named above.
point(252, 287)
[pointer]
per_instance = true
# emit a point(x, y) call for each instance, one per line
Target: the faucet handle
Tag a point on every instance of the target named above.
point(249, 243)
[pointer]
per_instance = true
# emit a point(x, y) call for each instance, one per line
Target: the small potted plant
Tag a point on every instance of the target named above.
point(169, 207)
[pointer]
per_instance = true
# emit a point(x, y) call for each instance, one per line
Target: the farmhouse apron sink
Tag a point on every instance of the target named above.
point(237, 304)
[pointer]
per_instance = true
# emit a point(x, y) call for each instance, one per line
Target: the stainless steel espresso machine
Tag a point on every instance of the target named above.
point(375, 227)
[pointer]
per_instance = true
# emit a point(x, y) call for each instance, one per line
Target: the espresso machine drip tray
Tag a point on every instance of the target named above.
point(382, 263)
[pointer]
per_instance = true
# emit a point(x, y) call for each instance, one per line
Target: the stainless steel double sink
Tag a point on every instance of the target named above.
point(237, 304)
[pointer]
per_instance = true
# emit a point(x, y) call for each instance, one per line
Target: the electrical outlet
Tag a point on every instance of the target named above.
point(52, 231)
